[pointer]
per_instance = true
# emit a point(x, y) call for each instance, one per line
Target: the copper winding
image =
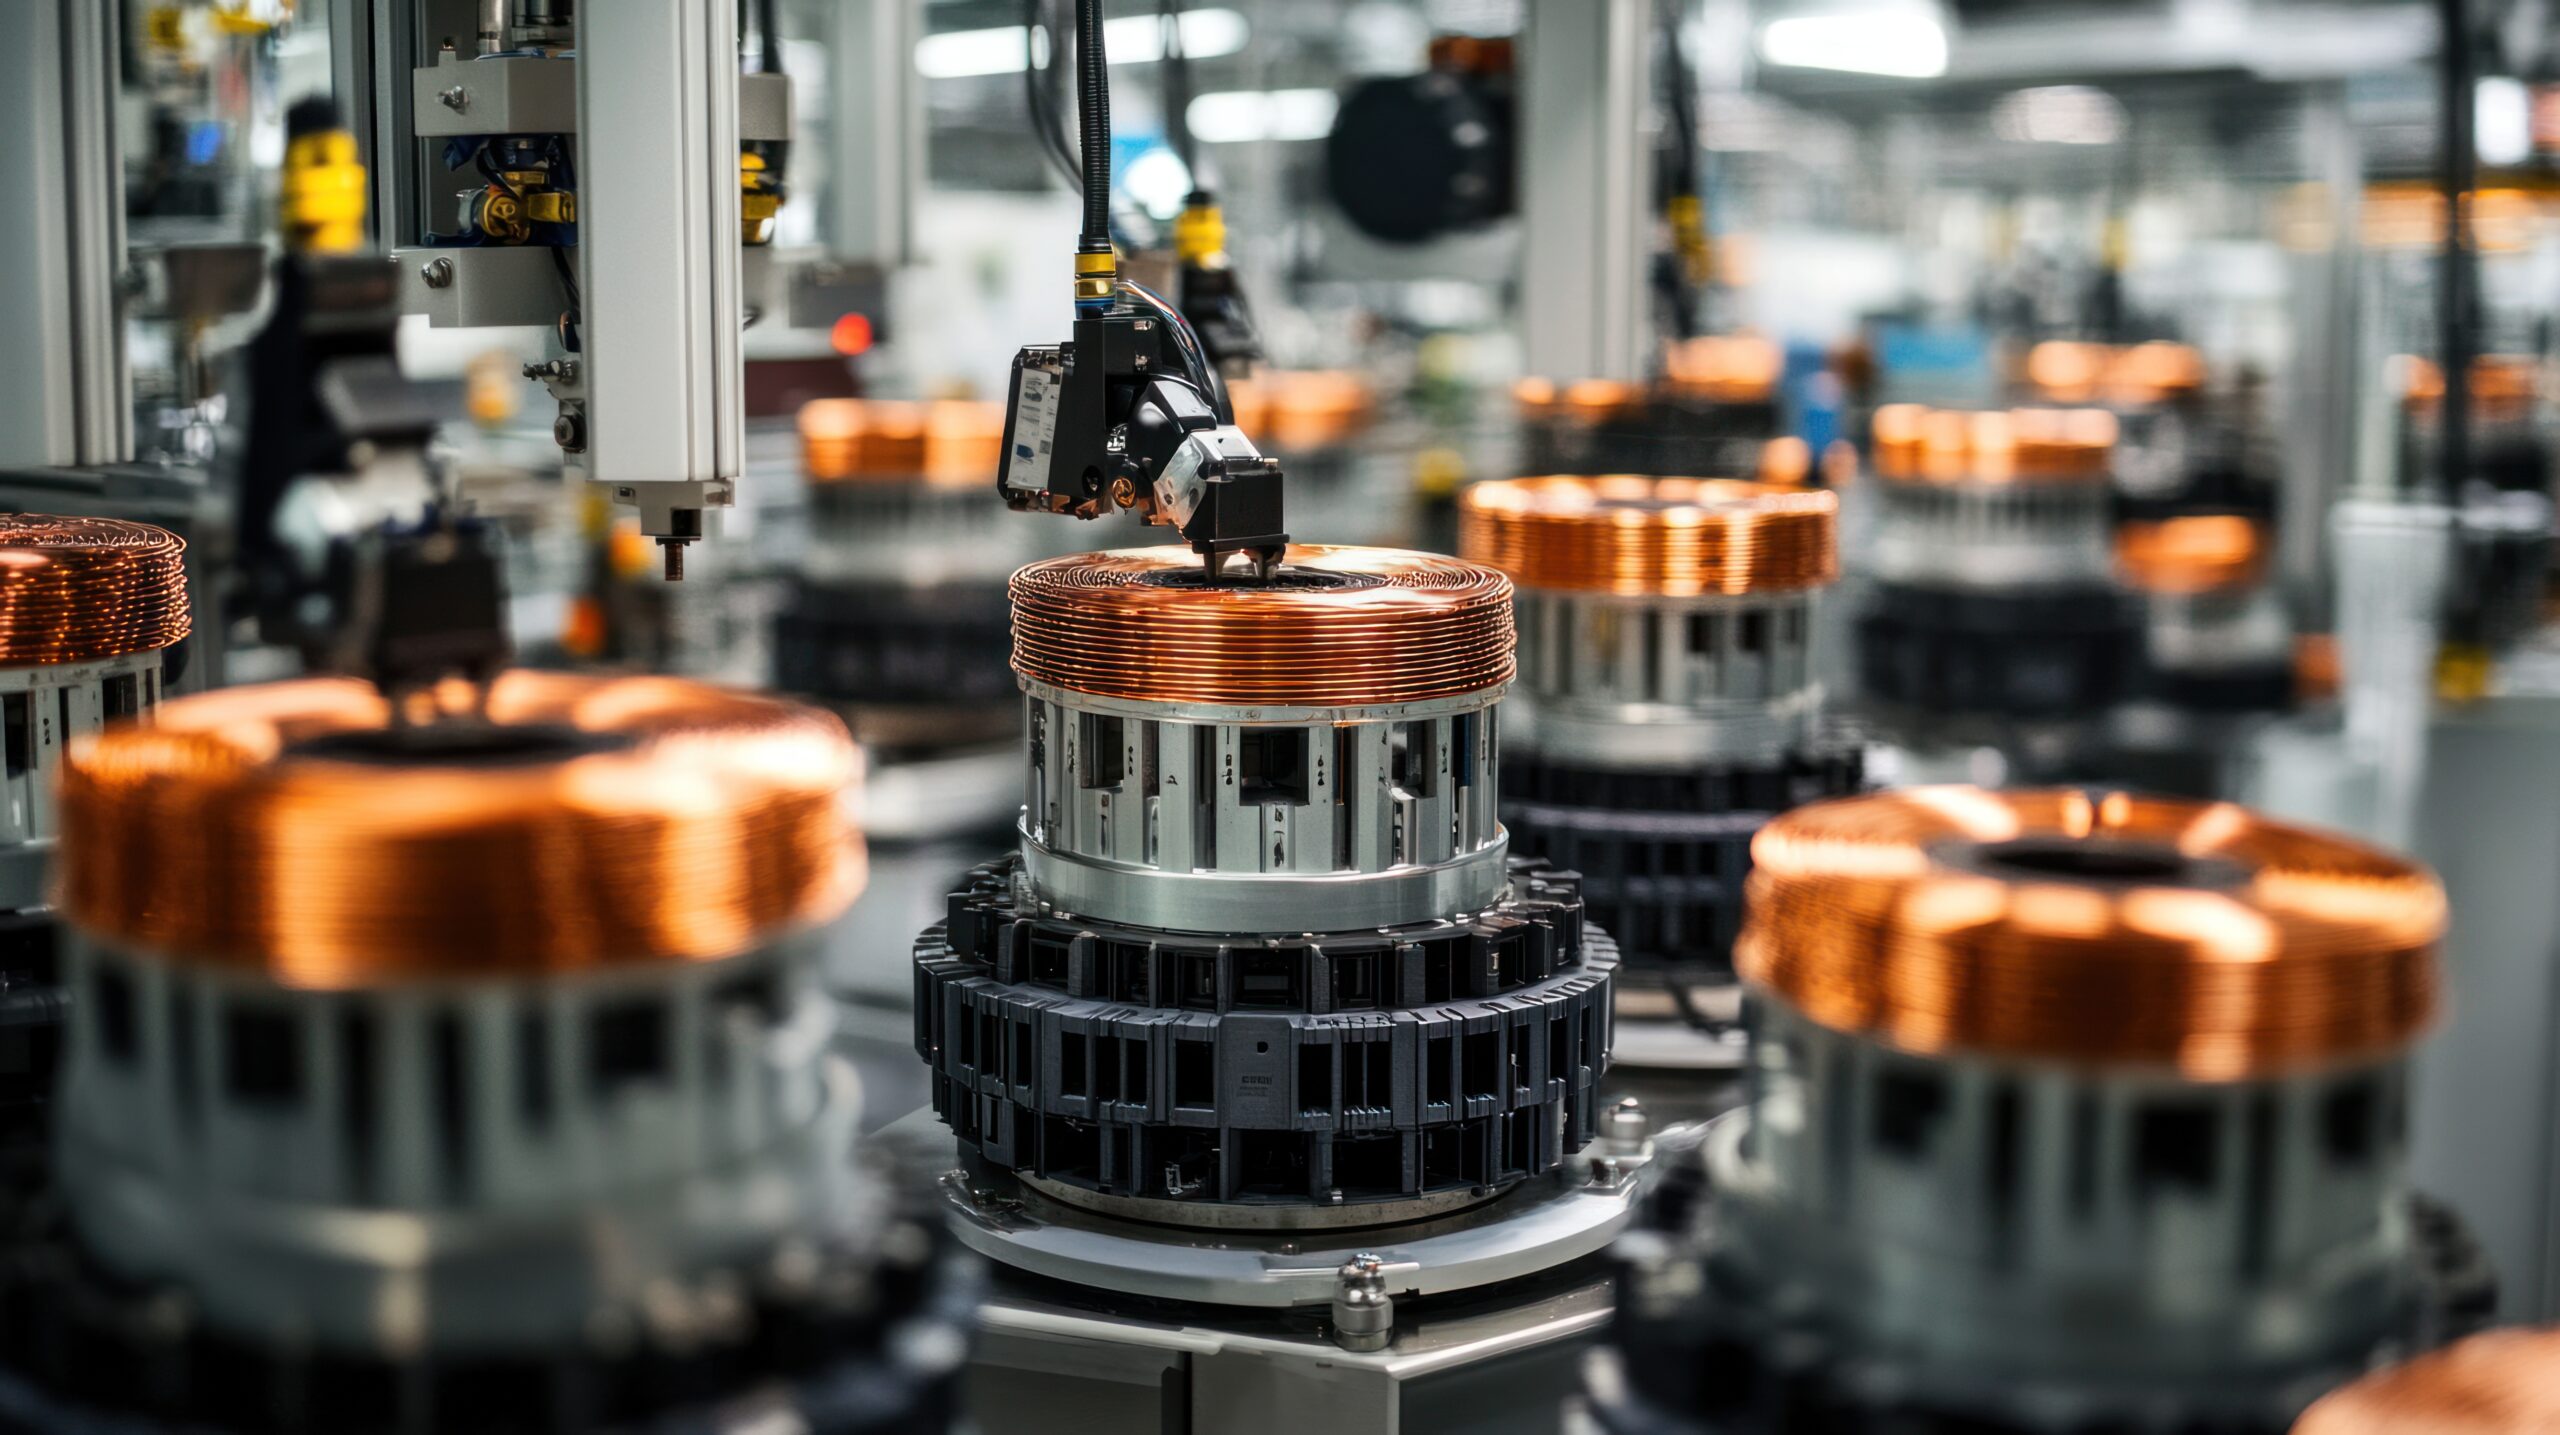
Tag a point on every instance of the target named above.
point(600, 822)
point(1302, 409)
point(2499, 1382)
point(1338, 627)
point(2505, 388)
point(1584, 401)
point(1652, 537)
point(76, 590)
point(1913, 443)
point(1723, 368)
point(2127, 376)
point(2113, 929)
point(949, 442)
point(2199, 553)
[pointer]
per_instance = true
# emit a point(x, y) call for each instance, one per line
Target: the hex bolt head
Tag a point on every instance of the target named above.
point(1364, 1315)
point(569, 431)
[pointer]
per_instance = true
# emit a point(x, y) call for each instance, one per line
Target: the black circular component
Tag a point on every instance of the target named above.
point(1690, 1355)
point(2030, 653)
point(837, 1342)
point(1414, 157)
point(892, 645)
point(32, 1007)
point(1306, 1070)
point(1663, 855)
point(1286, 579)
point(1662, 439)
point(462, 744)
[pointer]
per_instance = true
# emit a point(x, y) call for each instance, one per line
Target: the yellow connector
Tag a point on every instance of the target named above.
point(1200, 233)
point(1688, 216)
point(323, 200)
point(1097, 277)
point(759, 198)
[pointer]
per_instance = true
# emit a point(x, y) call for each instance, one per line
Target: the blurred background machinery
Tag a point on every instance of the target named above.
point(2065, 1111)
point(1276, 1077)
point(363, 296)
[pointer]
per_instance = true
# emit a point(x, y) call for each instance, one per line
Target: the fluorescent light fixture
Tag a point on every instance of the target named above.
point(1241, 116)
point(1157, 180)
point(2058, 114)
point(1133, 40)
point(2502, 121)
point(1905, 41)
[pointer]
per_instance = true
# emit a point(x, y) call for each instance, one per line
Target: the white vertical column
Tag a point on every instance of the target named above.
point(62, 380)
point(879, 130)
point(1586, 189)
point(659, 250)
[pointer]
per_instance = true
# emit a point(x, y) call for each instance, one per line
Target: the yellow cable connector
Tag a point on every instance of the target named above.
point(1688, 216)
point(1097, 277)
point(1200, 232)
point(324, 199)
point(759, 198)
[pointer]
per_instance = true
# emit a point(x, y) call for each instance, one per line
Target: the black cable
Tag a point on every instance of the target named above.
point(1093, 114)
point(1683, 96)
point(769, 36)
point(2458, 161)
point(1203, 374)
point(1039, 96)
point(1177, 94)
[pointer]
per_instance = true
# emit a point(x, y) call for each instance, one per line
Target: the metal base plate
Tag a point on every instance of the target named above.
point(1538, 1225)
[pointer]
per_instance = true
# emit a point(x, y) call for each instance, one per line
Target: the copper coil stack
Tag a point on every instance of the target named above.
point(2194, 554)
point(1303, 410)
point(88, 609)
point(1582, 401)
point(2021, 1052)
point(1998, 499)
point(2120, 376)
point(290, 829)
point(1663, 620)
point(579, 923)
point(1200, 751)
point(1913, 443)
point(1340, 627)
point(1651, 537)
point(2500, 1382)
point(2046, 925)
point(1723, 369)
point(948, 442)
point(2505, 388)
point(80, 589)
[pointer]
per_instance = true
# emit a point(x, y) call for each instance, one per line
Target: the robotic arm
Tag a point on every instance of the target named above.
point(1131, 414)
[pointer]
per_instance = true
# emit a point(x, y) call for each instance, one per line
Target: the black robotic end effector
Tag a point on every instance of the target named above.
point(1111, 421)
point(423, 604)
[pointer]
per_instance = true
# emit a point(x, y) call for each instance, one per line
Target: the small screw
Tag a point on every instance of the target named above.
point(570, 432)
point(456, 99)
point(437, 272)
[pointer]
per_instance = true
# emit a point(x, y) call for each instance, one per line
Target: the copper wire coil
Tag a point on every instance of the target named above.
point(591, 822)
point(1918, 444)
point(2499, 1382)
point(2118, 930)
point(1652, 537)
point(2199, 553)
point(1302, 409)
point(1723, 368)
point(2129, 376)
point(76, 590)
point(1337, 627)
point(1584, 401)
point(946, 443)
point(2504, 387)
